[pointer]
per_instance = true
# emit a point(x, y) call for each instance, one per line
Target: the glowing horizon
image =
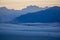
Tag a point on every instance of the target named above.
point(19, 4)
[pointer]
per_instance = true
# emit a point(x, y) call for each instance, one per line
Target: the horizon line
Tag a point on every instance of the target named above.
point(26, 7)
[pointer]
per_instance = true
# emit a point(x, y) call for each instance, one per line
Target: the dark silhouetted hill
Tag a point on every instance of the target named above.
point(10, 14)
point(51, 14)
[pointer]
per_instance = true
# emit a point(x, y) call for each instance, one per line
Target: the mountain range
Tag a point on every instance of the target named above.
point(10, 14)
point(49, 15)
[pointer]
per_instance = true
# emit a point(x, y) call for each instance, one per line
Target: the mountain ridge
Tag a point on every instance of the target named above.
point(9, 14)
point(51, 14)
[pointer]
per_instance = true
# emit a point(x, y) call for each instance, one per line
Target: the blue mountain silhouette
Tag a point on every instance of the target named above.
point(7, 14)
point(10, 14)
point(51, 14)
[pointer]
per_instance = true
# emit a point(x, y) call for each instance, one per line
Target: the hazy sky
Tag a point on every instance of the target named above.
point(19, 4)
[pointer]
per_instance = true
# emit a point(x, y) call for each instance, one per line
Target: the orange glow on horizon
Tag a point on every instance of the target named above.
point(19, 4)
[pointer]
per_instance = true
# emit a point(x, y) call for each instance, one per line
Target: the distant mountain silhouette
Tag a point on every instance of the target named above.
point(30, 9)
point(10, 14)
point(51, 14)
point(7, 14)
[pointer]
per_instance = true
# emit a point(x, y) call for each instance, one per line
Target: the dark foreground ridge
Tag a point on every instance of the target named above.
point(51, 14)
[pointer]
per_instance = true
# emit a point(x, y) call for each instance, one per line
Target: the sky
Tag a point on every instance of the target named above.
point(20, 4)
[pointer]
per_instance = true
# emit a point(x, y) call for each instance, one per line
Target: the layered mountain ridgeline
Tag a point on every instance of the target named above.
point(49, 15)
point(10, 14)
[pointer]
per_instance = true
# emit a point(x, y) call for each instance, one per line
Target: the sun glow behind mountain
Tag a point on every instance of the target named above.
point(19, 4)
